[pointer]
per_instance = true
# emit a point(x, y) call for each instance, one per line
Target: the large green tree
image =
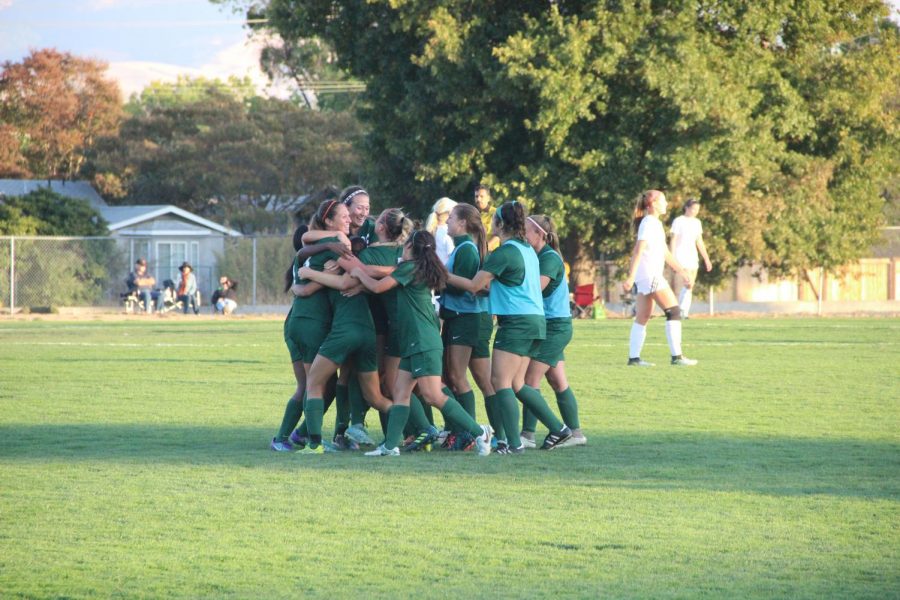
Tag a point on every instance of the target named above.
point(776, 114)
point(219, 150)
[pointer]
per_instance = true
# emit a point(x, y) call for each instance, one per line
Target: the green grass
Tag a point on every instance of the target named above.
point(134, 463)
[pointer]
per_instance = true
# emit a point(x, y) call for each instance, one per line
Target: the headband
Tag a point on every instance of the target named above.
point(353, 194)
point(328, 210)
point(541, 229)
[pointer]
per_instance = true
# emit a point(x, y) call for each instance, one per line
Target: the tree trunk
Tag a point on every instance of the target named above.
point(582, 260)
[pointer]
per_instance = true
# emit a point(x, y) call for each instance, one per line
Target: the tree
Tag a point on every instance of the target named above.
point(53, 107)
point(221, 152)
point(776, 115)
point(44, 212)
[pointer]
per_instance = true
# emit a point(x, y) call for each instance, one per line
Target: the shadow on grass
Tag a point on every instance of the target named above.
point(652, 461)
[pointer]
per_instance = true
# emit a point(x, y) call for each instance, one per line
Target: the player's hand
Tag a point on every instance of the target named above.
point(304, 272)
point(340, 248)
point(627, 285)
point(331, 266)
point(708, 266)
point(688, 282)
point(355, 290)
point(349, 263)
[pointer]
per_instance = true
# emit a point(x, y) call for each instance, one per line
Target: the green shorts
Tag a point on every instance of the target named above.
point(559, 334)
point(303, 337)
point(422, 364)
point(468, 329)
point(519, 334)
point(351, 342)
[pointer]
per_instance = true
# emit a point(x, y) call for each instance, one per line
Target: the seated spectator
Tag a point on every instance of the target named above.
point(187, 288)
point(141, 283)
point(224, 299)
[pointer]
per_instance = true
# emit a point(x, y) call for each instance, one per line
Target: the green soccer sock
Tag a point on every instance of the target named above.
point(529, 420)
point(417, 418)
point(397, 416)
point(456, 415)
point(490, 407)
point(342, 414)
point(467, 401)
point(383, 419)
point(568, 408)
point(508, 410)
point(533, 401)
point(315, 413)
point(358, 404)
point(292, 413)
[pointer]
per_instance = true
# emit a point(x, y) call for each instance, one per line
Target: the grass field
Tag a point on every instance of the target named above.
point(134, 463)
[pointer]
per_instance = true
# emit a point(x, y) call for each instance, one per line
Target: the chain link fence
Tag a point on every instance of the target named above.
point(44, 273)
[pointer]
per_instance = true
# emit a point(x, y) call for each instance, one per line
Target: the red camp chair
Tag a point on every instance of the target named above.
point(583, 301)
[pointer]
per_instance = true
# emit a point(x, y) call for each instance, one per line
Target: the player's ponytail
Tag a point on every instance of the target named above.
point(429, 268)
point(471, 216)
point(642, 207)
point(511, 219)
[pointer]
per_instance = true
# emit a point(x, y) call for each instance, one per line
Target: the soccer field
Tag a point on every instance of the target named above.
point(134, 462)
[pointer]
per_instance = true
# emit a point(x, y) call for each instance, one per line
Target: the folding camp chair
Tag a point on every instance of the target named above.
point(582, 301)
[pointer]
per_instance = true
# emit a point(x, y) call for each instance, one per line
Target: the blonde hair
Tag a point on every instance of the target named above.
point(442, 206)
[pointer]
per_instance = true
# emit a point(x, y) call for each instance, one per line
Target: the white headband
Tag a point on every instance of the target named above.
point(541, 229)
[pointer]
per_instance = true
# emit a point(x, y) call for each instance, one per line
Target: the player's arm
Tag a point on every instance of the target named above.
point(676, 266)
point(376, 286)
point(312, 249)
point(375, 271)
point(337, 282)
point(481, 280)
point(701, 248)
point(633, 267)
point(303, 290)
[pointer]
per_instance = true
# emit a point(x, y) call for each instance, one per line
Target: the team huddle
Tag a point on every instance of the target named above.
point(363, 332)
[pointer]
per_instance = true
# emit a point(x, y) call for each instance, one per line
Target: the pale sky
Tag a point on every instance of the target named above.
point(142, 40)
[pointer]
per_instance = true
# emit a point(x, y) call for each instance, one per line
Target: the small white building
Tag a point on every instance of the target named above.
point(165, 235)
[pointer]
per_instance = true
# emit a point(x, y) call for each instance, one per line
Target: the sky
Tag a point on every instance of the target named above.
point(142, 40)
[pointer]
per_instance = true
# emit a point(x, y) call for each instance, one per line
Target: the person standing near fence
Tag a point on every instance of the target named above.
point(687, 240)
point(645, 279)
point(187, 288)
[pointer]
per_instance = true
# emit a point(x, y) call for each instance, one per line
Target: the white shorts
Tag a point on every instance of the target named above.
point(648, 286)
point(229, 304)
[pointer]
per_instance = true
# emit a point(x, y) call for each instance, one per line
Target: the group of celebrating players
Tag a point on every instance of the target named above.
point(363, 332)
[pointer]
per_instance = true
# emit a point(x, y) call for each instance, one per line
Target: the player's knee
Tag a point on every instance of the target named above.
point(673, 314)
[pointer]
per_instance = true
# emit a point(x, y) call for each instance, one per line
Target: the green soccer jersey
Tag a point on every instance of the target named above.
point(350, 312)
point(506, 265)
point(466, 262)
point(367, 231)
point(383, 306)
point(318, 305)
point(551, 266)
point(418, 327)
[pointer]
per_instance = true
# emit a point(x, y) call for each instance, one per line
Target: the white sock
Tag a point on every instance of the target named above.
point(673, 335)
point(638, 335)
point(684, 301)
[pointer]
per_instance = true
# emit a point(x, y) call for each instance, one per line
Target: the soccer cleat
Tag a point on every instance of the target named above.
point(682, 361)
point(297, 439)
point(554, 439)
point(382, 451)
point(464, 442)
point(442, 437)
point(519, 450)
point(320, 449)
point(359, 434)
point(449, 442)
point(577, 439)
point(527, 438)
point(343, 442)
point(637, 362)
point(502, 447)
point(483, 441)
point(283, 446)
point(422, 440)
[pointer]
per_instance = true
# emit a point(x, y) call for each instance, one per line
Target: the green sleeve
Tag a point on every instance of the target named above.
point(404, 273)
point(497, 261)
point(551, 265)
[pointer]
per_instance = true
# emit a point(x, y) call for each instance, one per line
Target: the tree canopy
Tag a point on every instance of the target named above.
point(221, 151)
point(53, 107)
point(44, 212)
point(778, 115)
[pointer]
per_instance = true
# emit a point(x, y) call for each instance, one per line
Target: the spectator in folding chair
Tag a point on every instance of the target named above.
point(140, 284)
point(583, 301)
point(187, 288)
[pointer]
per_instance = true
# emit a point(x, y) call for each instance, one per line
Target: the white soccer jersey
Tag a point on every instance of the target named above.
point(653, 258)
point(686, 231)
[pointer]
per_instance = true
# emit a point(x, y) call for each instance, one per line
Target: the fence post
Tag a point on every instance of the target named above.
point(254, 270)
point(12, 275)
point(711, 300)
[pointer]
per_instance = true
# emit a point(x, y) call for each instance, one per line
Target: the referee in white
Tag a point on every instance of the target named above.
point(687, 240)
